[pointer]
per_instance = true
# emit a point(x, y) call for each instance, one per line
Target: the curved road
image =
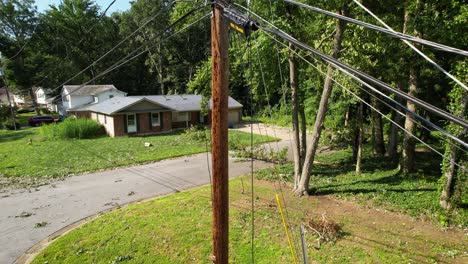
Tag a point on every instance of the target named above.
point(57, 205)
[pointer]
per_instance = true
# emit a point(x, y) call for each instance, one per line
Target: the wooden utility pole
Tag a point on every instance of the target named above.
point(219, 135)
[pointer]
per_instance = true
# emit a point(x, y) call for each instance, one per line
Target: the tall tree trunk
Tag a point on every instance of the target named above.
point(393, 140)
point(409, 143)
point(303, 186)
point(407, 164)
point(392, 148)
point(295, 118)
point(379, 143)
point(346, 121)
point(34, 101)
point(303, 134)
point(160, 68)
point(449, 169)
point(359, 139)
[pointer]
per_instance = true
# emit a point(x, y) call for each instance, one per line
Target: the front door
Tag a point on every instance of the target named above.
point(131, 123)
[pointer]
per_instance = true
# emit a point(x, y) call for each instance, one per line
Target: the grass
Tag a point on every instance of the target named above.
point(177, 229)
point(380, 184)
point(60, 157)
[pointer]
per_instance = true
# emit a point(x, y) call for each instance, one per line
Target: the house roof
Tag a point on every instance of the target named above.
point(180, 103)
point(88, 90)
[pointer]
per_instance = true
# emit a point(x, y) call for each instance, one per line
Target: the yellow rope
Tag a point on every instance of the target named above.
point(293, 253)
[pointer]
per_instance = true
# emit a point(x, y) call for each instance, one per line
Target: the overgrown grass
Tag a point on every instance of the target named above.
point(78, 128)
point(380, 184)
point(60, 157)
point(177, 229)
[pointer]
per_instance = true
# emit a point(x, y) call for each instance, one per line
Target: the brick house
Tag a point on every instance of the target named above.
point(152, 114)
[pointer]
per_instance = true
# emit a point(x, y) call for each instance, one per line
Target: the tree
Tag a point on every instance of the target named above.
point(302, 187)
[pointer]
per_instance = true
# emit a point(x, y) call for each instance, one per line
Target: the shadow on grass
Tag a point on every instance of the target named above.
point(15, 135)
point(381, 173)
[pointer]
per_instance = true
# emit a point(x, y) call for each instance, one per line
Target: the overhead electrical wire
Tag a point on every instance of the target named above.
point(389, 31)
point(118, 44)
point(347, 69)
point(373, 108)
point(414, 48)
point(128, 57)
point(336, 63)
point(81, 40)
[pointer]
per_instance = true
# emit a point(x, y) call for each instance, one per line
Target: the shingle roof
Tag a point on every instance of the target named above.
point(180, 103)
point(88, 89)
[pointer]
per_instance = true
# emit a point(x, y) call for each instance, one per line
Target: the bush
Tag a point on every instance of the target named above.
point(45, 111)
point(198, 133)
point(24, 110)
point(80, 128)
point(8, 124)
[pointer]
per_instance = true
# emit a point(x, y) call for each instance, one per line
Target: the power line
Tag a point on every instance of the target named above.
point(347, 69)
point(415, 49)
point(373, 108)
point(383, 85)
point(120, 43)
point(127, 58)
point(389, 31)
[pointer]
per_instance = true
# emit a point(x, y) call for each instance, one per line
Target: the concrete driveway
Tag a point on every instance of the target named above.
point(28, 217)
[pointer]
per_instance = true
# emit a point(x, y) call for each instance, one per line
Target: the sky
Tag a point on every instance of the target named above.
point(119, 5)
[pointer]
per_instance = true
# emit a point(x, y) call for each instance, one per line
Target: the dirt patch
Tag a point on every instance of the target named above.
point(377, 232)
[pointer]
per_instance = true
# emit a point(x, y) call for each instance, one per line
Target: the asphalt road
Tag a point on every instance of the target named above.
point(28, 217)
point(60, 204)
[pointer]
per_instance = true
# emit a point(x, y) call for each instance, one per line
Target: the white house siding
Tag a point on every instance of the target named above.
point(106, 95)
point(40, 96)
point(75, 101)
point(106, 121)
point(234, 116)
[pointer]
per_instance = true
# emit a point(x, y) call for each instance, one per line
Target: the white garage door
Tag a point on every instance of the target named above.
point(233, 117)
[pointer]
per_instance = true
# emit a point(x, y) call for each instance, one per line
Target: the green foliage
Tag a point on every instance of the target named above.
point(9, 124)
point(197, 133)
point(151, 232)
point(379, 184)
point(71, 128)
point(262, 153)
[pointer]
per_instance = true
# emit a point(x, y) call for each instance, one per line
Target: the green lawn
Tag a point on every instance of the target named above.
point(177, 229)
point(57, 158)
point(381, 184)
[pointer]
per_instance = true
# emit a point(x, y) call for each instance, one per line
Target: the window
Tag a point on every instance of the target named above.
point(131, 120)
point(96, 99)
point(105, 119)
point(155, 119)
point(180, 116)
point(111, 96)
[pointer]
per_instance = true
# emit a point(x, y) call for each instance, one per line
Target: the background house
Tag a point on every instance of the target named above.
point(77, 96)
point(151, 114)
point(41, 96)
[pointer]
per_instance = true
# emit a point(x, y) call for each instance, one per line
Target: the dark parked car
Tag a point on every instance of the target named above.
point(39, 120)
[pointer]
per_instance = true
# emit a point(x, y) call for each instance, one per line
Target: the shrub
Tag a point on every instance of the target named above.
point(8, 124)
point(197, 133)
point(24, 110)
point(80, 128)
point(45, 111)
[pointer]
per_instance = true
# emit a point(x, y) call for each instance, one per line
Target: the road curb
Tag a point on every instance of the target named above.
point(29, 255)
